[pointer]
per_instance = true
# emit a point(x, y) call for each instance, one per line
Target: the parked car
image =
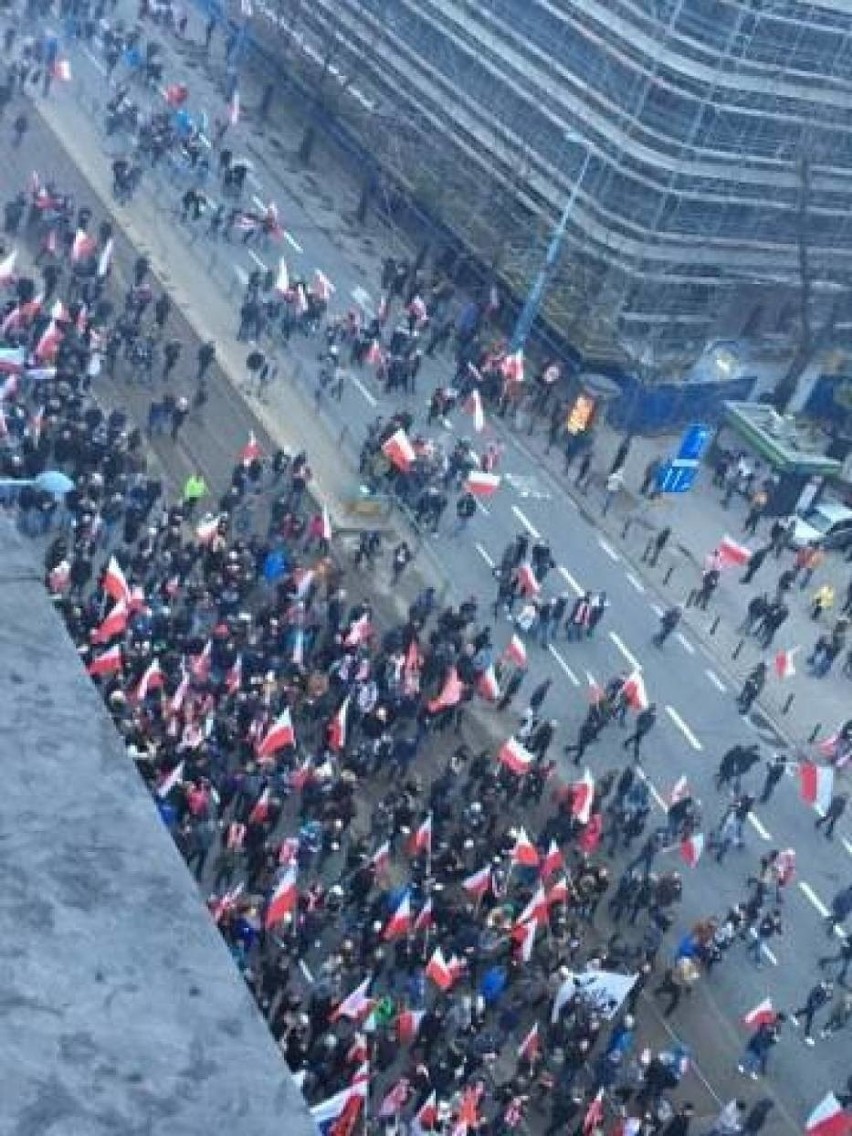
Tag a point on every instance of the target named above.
point(828, 523)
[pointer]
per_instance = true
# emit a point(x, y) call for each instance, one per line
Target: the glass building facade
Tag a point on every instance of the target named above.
point(696, 116)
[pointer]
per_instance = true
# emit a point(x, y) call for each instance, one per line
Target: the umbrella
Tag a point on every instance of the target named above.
point(55, 482)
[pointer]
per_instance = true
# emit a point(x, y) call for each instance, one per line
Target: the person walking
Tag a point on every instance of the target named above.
point(755, 561)
point(645, 722)
point(729, 1122)
point(841, 909)
point(205, 358)
point(195, 487)
point(818, 996)
point(678, 980)
point(753, 685)
point(465, 510)
point(839, 1018)
point(400, 559)
point(709, 583)
point(775, 767)
point(668, 622)
point(836, 809)
point(761, 1043)
point(655, 546)
point(757, 1116)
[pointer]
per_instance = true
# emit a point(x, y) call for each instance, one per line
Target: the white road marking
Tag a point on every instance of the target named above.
point(304, 968)
point(635, 583)
point(368, 395)
point(758, 827)
point(766, 951)
point(95, 60)
point(684, 729)
point(811, 895)
point(590, 678)
point(484, 554)
point(685, 643)
point(563, 664)
point(362, 297)
point(482, 508)
point(569, 580)
point(717, 682)
point(526, 522)
point(257, 260)
point(292, 242)
point(260, 204)
point(658, 797)
point(255, 181)
point(626, 652)
point(846, 845)
point(657, 610)
point(608, 549)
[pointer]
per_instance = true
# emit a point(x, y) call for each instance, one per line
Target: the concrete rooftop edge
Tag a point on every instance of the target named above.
point(122, 1009)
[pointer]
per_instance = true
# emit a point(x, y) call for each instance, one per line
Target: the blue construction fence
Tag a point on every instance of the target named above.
point(641, 408)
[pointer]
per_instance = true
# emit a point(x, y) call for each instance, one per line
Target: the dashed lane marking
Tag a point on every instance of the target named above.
point(482, 507)
point(685, 643)
point(260, 264)
point(569, 580)
point(486, 556)
point(635, 583)
point(657, 610)
point(809, 893)
point(846, 844)
point(563, 664)
point(684, 729)
point(368, 395)
point(625, 651)
point(655, 793)
point(526, 522)
point(717, 682)
point(758, 827)
point(94, 59)
point(608, 549)
point(292, 242)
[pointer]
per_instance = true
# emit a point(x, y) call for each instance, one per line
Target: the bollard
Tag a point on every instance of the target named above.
point(815, 732)
point(737, 649)
point(785, 709)
point(669, 574)
point(714, 625)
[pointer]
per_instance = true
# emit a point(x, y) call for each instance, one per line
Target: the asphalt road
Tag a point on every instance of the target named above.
point(693, 691)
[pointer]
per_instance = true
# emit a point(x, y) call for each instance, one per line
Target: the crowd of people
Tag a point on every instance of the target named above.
point(446, 928)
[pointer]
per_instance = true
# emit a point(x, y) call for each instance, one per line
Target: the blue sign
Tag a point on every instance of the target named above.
point(694, 442)
point(676, 476)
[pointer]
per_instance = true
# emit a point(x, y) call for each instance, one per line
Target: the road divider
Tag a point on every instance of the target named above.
point(684, 729)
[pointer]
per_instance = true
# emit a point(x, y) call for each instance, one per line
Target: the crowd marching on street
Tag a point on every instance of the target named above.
point(448, 926)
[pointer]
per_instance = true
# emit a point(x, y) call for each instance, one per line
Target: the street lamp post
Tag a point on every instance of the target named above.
point(532, 304)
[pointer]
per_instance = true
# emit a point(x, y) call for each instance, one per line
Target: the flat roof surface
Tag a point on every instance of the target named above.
point(778, 439)
point(122, 1011)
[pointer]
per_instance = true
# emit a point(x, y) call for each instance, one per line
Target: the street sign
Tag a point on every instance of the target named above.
point(676, 476)
point(694, 442)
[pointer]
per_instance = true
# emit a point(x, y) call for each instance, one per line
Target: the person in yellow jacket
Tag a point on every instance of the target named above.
point(194, 489)
point(823, 600)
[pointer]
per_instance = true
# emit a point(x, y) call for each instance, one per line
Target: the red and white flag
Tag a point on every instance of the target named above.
point(356, 1005)
point(199, 665)
point(783, 662)
point(234, 107)
point(279, 735)
point(399, 923)
point(731, 553)
point(115, 582)
point(381, 858)
point(536, 909)
point(207, 529)
point(530, 1047)
point(516, 652)
point(450, 695)
point(399, 451)
point(114, 623)
point(7, 267)
point(817, 784)
point(427, 1114)
point(527, 580)
point(634, 691)
point(374, 355)
point(251, 450)
point(558, 892)
point(475, 406)
point(48, 344)
point(62, 70)
point(679, 790)
point(282, 278)
point(260, 811)
point(584, 795)
point(523, 936)
point(325, 525)
point(337, 727)
point(478, 884)
point(109, 662)
point(395, 1098)
point(488, 686)
point(438, 970)
point(513, 367)
point(359, 632)
point(525, 852)
point(234, 677)
point(358, 1051)
point(763, 1014)
point(516, 757)
point(152, 679)
point(283, 899)
point(420, 841)
point(829, 1118)
point(482, 484)
point(554, 861)
point(691, 849)
point(408, 1025)
point(425, 918)
point(173, 778)
point(323, 287)
point(594, 1114)
point(82, 246)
